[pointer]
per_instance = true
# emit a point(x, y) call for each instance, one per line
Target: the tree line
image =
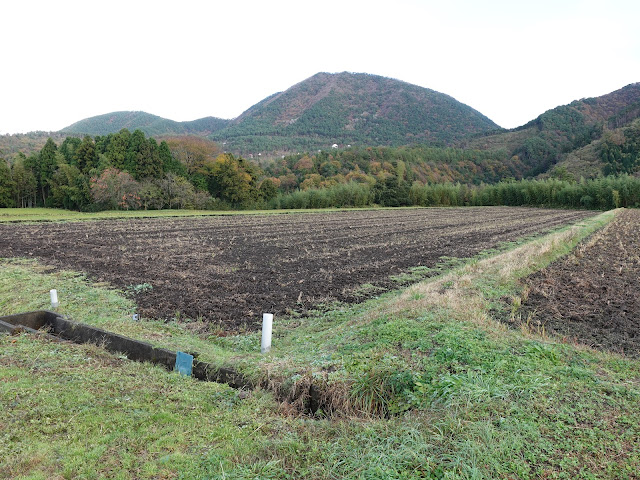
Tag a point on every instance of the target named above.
point(597, 194)
point(127, 170)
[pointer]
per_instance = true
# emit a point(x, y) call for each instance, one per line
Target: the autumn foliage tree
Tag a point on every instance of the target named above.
point(176, 191)
point(192, 152)
point(115, 189)
point(232, 179)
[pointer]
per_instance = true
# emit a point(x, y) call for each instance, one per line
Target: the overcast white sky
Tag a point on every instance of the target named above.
point(65, 60)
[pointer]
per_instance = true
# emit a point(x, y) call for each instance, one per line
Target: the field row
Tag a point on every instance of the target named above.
point(229, 270)
point(592, 296)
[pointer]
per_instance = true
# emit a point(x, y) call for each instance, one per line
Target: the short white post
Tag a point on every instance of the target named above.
point(267, 326)
point(54, 298)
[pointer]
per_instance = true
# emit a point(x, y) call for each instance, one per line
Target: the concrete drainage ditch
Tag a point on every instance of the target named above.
point(59, 328)
point(307, 398)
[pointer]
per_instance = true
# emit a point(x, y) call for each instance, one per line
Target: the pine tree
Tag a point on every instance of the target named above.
point(47, 163)
point(85, 156)
point(7, 185)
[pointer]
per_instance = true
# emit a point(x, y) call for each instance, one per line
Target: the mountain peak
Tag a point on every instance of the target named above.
point(325, 109)
point(352, 108)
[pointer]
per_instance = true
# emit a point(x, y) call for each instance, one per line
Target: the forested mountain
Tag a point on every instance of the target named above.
point(27, 143)
point(351, 109)
point(587, 138)
point(570, 137)
point(362, 110)
point(145, 122)
point(326, 109)
point(334, 129)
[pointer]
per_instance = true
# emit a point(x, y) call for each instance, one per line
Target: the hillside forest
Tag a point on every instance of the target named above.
point(130, 171)
point(342, 108)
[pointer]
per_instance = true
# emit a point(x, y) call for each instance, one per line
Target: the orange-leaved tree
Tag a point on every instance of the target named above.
point(115, 189)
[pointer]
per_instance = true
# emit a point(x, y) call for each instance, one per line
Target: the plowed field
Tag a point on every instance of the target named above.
point(592, 296)
point(231, 269)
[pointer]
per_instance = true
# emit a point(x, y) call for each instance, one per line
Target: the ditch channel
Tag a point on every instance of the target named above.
point(57, 328)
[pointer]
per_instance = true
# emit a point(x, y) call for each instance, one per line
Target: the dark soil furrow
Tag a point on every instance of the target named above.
point(592, 296)
point(230, 269)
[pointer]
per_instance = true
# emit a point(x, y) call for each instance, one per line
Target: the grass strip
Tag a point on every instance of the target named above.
point(33, 215)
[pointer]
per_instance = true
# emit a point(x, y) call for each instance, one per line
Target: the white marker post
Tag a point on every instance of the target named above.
point(267, 326)
point(54, 298)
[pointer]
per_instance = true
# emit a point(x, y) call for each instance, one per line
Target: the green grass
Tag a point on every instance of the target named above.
point(73, 411)
point(425, 383)
point(25, 285)
point(8, 215)
point(57, 214)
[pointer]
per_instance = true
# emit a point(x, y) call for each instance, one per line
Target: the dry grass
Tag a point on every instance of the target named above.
point(458, 291)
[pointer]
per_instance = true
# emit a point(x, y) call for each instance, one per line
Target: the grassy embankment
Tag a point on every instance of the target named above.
point(59, 215)
point(420, 383)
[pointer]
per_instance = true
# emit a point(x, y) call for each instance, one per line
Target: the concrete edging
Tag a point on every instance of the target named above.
point(56, 327)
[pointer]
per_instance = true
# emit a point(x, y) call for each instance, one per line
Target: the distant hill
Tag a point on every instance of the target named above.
point(151, 125)
point(351, 108)
point(585, 138)
point(567, 136)
point(27, 143)
point(326, 109)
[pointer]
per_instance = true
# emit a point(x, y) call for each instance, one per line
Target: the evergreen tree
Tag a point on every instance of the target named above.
point(117, 147)
point(26, 185)
point(7, 185)
point(70, 188)
point(267, 190)
point(44, 166)
point(169, 163)
point(86, 156)
point(68, 149)
point(138, 150)
point(392, 192)
point(148, 162)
